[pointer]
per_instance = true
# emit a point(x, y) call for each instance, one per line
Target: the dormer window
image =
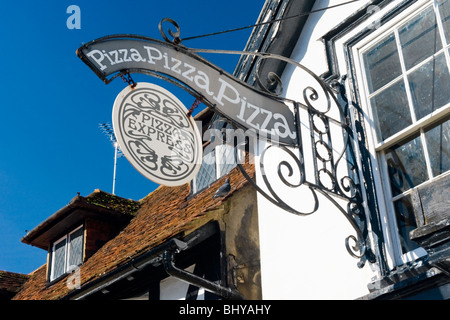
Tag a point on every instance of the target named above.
point(75, 232)
point(218, 156)
point(67, 253)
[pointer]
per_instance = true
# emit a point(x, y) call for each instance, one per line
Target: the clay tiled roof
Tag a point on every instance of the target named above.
point(10, 283)
point(112, 202)
point(163, 214)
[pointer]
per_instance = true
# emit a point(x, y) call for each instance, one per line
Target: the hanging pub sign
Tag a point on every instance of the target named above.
point(156, 135)
point(245, 106)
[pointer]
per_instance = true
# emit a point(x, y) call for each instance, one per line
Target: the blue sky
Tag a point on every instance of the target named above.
point(51, 146)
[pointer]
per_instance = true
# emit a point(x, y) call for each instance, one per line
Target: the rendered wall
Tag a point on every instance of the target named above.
point(304, 257)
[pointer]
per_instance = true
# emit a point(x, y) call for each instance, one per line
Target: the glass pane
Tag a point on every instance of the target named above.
point(207, 173)
point(420, 38)
point(382, 63)
point(406, 222)
point(438, 144)
point(76, 248)
point(444, 9)
point(59, 259)
point(226, 159)
point(391, 110)
point(429, 86)
point(406, 165)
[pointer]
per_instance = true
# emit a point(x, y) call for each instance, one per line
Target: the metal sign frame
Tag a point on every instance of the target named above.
point(112, 56)
point(262, 111)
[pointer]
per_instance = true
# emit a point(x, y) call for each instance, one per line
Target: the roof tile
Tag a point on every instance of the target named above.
point(163, 214)
point(11, 283)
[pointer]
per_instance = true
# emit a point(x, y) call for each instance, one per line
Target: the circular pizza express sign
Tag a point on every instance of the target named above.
point(156, 135)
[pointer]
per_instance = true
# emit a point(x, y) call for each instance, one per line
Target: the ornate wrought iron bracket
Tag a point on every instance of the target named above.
point(311, 126)
point(321, 112)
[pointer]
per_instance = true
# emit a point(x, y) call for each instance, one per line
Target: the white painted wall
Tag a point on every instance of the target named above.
point(304, 257)
point(172, 288)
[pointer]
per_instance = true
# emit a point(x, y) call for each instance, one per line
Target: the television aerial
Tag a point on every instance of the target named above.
point(107, 130)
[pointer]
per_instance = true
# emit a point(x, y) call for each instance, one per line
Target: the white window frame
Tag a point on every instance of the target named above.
point(220, 149)
point(67, 267)
point(385, 200)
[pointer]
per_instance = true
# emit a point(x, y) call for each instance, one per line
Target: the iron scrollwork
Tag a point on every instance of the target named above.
point(322, 112)
point(174, 34)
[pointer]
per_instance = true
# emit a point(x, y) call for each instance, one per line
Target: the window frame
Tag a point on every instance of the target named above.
point(424, 121)
point(67, 268)
point(219, 148)
point(378, 149)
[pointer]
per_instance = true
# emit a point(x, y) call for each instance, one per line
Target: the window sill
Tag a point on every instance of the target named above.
point(432, 234)
point(61, 277)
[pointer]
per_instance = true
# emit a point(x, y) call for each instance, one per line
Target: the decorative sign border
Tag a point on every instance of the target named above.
point(247, 107)
point(156, 135)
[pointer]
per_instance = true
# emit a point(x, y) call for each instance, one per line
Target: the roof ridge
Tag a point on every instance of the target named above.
point(112, 201)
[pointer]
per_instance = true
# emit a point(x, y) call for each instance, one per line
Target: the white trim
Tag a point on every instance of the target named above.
point(416, 126)
point(71, 267)
point(67, 268)
point(52, 270)
point(421, 123)
point(405, 75)
point(378, 182)
point(387, 216)
point(442, 33)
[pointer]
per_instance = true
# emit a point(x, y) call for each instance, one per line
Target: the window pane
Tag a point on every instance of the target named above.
point(226, 159)
point(391, 110)
point(207, 173)
point(76, 248)
point(420, 38)
point(444, 9)
point(429, 86)
point(438, 144)
point(406, 166)
point(382, 63)
point(406, 222)
point(59, 259)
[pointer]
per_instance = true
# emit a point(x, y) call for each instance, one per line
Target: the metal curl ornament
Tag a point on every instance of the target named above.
point(311, 97)
point(317, 101)
point(174, 34)
point(273, 196)
point(310, 111)
point(327, 182)
point(272, 84)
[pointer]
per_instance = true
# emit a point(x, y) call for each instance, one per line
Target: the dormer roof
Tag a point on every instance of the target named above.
point(164, 214)
point(99, 205)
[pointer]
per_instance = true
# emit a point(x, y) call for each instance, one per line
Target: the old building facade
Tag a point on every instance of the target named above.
point(396, 102)
point(358, 208)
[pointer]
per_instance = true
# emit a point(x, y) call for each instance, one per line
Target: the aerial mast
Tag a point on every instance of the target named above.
point(107, 129)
